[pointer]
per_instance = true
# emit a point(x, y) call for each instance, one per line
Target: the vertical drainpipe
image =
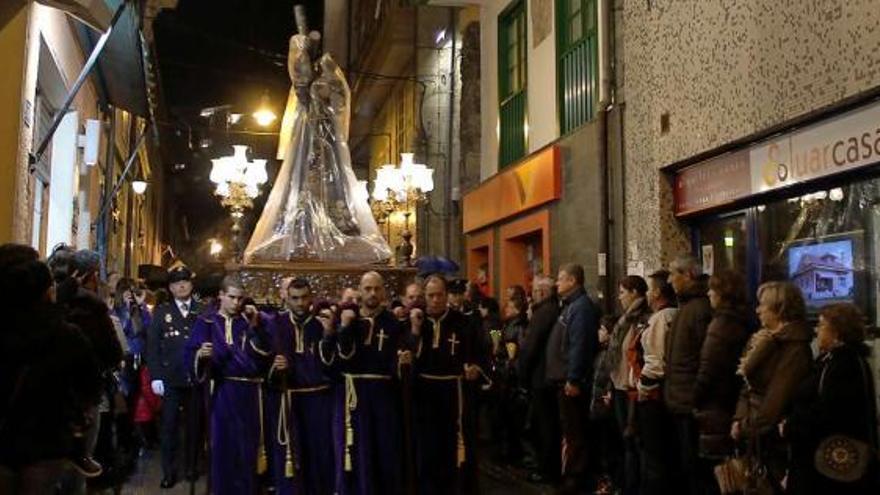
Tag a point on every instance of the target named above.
point(603, 109)
point(448, 192)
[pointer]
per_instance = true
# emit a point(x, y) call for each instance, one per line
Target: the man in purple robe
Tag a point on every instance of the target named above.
point(445, 357)
point(301, 397)
point(231, 348)
point(371, 348)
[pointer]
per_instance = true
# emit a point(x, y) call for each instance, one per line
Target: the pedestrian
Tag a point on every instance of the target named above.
point(836, 401)
point(533, 362)
point(302, 397)
point(648, 370)
point(230, 346)
point(444, 360)
point(570, 352)
point(170, 328)
point(684, 342)
point(50, 380)
point(371, 350)
point(512, 405)
point(718, 385)
point(614, 378)
point(775, 362)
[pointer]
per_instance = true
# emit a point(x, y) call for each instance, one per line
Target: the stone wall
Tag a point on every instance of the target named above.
point(721, 71)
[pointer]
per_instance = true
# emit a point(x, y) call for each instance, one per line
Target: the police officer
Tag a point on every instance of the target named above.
point(171, 326)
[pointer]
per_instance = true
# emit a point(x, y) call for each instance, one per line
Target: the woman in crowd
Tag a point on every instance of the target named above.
point(836, 399)
point(512, 402)
point(776, 360)
point(614, 377)
point(717, 387)
point(647, 360)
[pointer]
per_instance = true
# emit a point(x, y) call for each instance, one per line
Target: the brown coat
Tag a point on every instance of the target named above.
point(774, 365)
point(684, 342)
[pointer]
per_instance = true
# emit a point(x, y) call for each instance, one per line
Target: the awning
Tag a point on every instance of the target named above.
point(120, 75)
point(95, 13)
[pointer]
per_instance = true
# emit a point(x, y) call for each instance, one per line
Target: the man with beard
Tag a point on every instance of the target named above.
point(231, 347)
point(444, 359)
point(169, 330)
point(370, 346)
point(302, 399)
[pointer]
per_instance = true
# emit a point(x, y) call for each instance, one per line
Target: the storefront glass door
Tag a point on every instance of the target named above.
point(722, 244)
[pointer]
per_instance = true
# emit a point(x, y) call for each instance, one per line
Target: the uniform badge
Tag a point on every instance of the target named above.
point(167, 318)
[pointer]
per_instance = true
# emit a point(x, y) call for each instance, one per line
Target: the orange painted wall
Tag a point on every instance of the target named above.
point(480, 249)
point(534, 182)
point(513, 252)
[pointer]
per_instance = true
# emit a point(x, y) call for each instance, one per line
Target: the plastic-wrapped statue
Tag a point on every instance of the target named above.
point(314, 212)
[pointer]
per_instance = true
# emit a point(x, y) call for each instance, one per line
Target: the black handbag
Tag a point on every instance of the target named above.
point(841, 457)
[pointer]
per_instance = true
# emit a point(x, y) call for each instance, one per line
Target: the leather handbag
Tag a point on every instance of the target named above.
point(841, 457)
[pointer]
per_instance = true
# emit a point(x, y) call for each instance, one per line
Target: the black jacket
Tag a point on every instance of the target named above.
point(837, 398)
point(166, 338)
point(92, 316)
point(533, 355)
point(49, 376)
point(718, 385)
point(684, 342)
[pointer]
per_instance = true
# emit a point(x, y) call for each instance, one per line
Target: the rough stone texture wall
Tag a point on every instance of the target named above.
point(723, 70)
point(470, 134)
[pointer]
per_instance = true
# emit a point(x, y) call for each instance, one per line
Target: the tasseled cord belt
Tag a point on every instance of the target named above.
point(351, 401)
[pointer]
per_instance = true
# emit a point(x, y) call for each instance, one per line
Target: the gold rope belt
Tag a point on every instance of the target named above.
point(243, 379)
point(308, 390)
point(350, 405)
point(461, 453)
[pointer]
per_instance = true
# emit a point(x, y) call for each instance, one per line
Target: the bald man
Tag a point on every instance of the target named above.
point(371, 347)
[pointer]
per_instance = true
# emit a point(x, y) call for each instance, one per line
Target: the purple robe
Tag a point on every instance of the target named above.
point(370, 433)
point(239, 361)
point(304, 437)
point(445, 345)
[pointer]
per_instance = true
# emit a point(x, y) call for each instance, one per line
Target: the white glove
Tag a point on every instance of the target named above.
point(158, 387)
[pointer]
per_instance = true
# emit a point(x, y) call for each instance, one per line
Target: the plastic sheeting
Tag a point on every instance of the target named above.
point(314, 212)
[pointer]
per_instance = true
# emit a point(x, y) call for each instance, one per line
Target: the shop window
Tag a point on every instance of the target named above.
point(525, 250)
point(825, 242)
point(577, 62)
point(512, 76)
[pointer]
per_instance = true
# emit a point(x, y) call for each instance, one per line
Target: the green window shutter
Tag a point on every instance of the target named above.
point(512, 77)
point(577, 62)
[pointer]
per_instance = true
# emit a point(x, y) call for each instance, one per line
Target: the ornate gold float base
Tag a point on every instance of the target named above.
point(263, 280)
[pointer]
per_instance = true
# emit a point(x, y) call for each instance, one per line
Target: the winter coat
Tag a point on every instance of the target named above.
point(653, 345)
point(835, 399)
point(684, 343)
point(718, 385)
point(629, 324)
point(574, 340)
point(773, 366)
point(533, 355)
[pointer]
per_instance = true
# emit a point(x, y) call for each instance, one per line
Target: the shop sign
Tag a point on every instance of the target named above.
point(847, 142)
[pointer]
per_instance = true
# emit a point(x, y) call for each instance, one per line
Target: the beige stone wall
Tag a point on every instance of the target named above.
point(723, 70)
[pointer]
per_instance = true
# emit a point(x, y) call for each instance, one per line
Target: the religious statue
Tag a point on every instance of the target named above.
point(315, 211)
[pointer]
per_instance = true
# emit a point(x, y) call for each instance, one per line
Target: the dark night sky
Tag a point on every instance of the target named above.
point(212, 53)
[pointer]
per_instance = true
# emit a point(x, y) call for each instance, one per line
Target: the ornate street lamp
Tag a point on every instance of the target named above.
point(238, 183)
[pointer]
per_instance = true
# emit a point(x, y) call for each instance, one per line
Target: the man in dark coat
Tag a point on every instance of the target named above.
point(684, 343)
point(532, 364)
point(169, 330)
point(571, 350)
point(445, 359)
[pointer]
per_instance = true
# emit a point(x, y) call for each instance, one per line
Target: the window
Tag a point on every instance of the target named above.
point(512, 76)
point(577, 51)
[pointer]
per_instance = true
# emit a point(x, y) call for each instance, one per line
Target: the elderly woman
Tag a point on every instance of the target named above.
point(837, 399)
point(718, 385)
point(776, 360)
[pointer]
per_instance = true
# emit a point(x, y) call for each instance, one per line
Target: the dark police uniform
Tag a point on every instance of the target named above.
point(166, 337)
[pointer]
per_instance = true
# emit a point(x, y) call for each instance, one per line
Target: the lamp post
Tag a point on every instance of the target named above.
point(238, 183)
point(401, 188)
